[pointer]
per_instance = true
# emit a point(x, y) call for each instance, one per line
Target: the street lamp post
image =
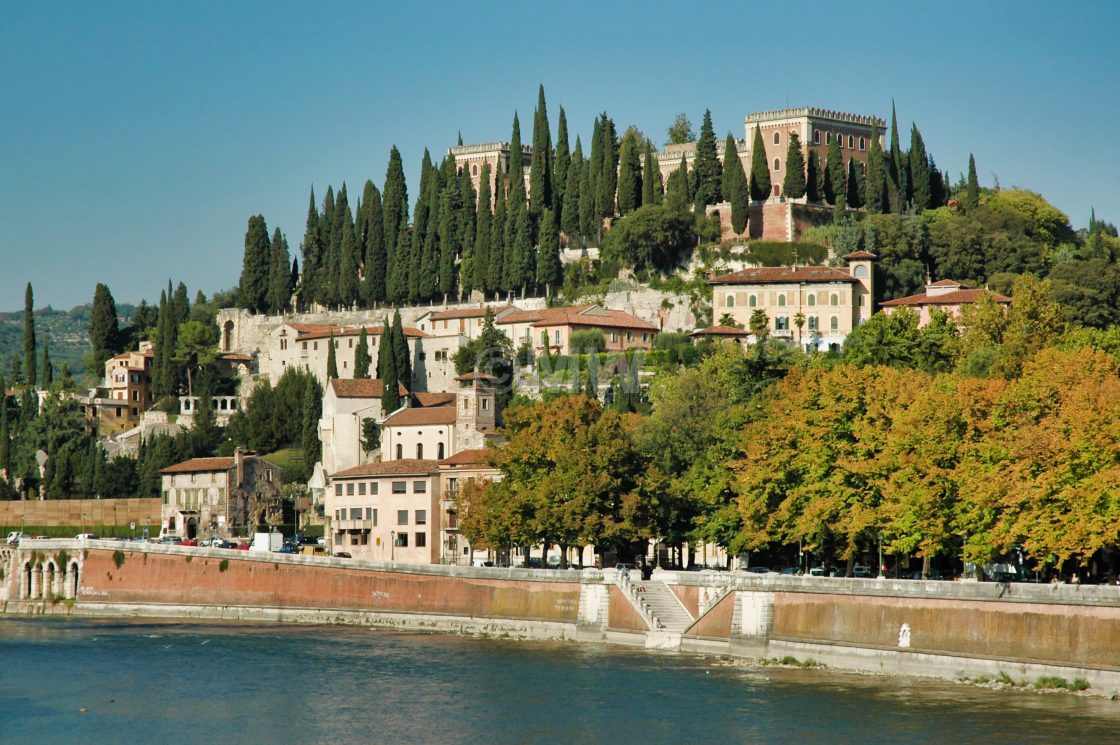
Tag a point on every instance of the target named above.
point(880, 537)
point(392, 545)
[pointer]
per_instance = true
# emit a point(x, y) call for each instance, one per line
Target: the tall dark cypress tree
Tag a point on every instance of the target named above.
point(30, 377)
point(394, 206)
point(549, 272)
point(834, 181)
point(972, 191)
point(651, 178)
point(561, 161)
point(729, 146)
point(495, 272)
point(161, 385)
point(608, 168)
point(361, 356)
point(854, 185)
point(279, 275)
point(312, 251)
point(794, 183)
point(480, 265)
point(588, 221)
point(709, 173)
point(676, 186)
point(760, 185)
point(387, 372)
point(919, 171)
point(253, 288)
point(46, 370)
point(540, 167)
point(348, 284)
point(522, 263)
point(513, 273)
point(629, 174)
point(104, 329)
point(595, 165)
point(449, 237)
point(375, 257)
point(876, 190)
point(896, 187)
point(180, 305)
point(5, 436)
point(311, 411)
point(401, 353)
point(385, 351)
point(739, 196)
point(814, 179)
point(332, 359)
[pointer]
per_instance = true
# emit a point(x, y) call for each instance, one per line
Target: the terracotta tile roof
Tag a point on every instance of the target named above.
point(721, 331)
point(467, 458)
point(199, 465)
point(783, 275)
point(308, 332)
point(472, 376)
point(433, 399)
point(420, 417)
point(579, 315)
point(959, 297)
point(406, 467)
point(447, 315)
point(858, 255)
point(370, 388)
point(946, 283)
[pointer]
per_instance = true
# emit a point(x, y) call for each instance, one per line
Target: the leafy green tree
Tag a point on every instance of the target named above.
point(196, 346)
point(629, 174)
point(760, 170)
point(677, 186)
point(549, 272)
point(491, 353)
point(362, 359)
point(655, 237)
point(794, 184)
point(919, 171)
point(332, 361)
point(972, 192)
point(253, 289)
point(680, 131)
point(834, 172)
point(29, 346)
point(104, 332)
point(540, 168)
point(707, 167)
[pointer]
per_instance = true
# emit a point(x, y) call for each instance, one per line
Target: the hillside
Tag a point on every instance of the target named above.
point(67, 332)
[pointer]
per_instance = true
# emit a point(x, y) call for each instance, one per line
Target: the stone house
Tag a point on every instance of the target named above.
point(622, 331)
point(946, 296)
point(222, 497)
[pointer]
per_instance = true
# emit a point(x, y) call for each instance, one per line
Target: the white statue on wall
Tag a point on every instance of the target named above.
point(904, 636)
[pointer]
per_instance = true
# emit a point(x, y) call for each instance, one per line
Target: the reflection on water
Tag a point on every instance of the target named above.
point(168, 682)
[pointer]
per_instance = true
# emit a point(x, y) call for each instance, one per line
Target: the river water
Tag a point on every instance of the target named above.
point(95, 681)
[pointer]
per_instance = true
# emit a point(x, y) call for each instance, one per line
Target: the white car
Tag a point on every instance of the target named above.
point(15, 536)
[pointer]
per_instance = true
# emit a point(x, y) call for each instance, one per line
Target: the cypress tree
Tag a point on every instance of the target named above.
point(253, 288)
point(480, 266)
point(834, 181)
point(332, 362)
point(729, 146)
point(495, 271)
point(919, 171)
point(549, 271)
point(161, 384)
point(103, 327)
point(181, 307)
point(739, 198)
point(876, 176)
point(418, 280)
point(349, 289)
point(760, 185)
point(709, 173)
point(938, 186)
point(794, 184)
point(588, 222)
point(569, 212)
point(312, 252)
point(387, 371)
point(676, 186)
point(46, 369)
point(394, 222)
point(376, 258)
point(540, 167)
point(5, 437)
point(361, 356)
point(279, 275)
point(972, 192)
point(814, 179)
point(855, 185)
point(29, 346)
point(561, 162)
point(608, 169)
point(386, 360)
point(629, 175)
point(449, 237)
point(312, 410)
point(522, 263)
point(595, 166)
point(403, 360)
point(293, 276)
point(517, 198)
point(651, 178)
point(896, 188)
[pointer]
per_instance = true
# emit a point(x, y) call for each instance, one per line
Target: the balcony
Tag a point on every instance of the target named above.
point(354, 525)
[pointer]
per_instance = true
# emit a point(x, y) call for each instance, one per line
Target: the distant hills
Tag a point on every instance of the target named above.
point(67, 332)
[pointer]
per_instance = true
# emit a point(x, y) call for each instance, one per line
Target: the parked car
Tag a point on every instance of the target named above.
point(861, 571)
point(189, 542)
point(791, 571)
point(342, 555)
point(15, 536)
point(287, 548)
point(85, 537)
point(225, 544)
point(757, 570)
point(171, 540)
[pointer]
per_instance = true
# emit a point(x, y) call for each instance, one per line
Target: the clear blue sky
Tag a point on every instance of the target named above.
point(136, 139)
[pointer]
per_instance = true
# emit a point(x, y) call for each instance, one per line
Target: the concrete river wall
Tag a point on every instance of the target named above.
point(940, 629)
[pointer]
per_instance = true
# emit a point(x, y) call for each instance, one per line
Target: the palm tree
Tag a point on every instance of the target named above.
point(799, 322)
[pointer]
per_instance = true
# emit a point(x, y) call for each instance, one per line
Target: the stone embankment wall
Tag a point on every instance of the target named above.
point(80, 512)
point(942, 629)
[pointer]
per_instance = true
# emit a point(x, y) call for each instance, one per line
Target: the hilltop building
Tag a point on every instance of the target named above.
point(472, 158)
point(126, 391)
point(946, 296)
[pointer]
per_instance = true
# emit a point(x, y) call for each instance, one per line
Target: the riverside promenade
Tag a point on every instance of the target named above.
point(927, 628)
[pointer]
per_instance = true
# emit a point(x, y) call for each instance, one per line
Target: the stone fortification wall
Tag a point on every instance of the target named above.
point(80, 512)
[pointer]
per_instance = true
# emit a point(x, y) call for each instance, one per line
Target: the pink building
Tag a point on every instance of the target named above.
point(946, 296)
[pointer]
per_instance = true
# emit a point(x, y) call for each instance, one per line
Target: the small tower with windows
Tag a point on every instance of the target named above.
point(476, 412)
point(860, 266)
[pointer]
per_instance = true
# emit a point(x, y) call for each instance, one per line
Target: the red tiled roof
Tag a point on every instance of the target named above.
point(433, 399)
point(946, 283)
point(579, 315)
point(467, 458)
point(721, 331)
point(783, 275)
point(362, 388)
point(959, 297)
point(471, 376)
point(235, 356)
point(324, 332)
point(419, 417)
point(858, 255)
point(447, 315)
point(406, 467)
point(199, 465)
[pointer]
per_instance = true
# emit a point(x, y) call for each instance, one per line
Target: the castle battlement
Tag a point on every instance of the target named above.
point(485, 147)
point(809, 111)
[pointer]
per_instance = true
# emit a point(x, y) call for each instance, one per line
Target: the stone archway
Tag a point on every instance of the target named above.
point(73, 581)
point(49, 576)
point(25, 582)
point(36, 582)
point(227, 335)
point(192, 528)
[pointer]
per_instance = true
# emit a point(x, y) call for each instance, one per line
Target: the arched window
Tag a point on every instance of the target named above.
point(851, 142)
point(834, 299)
point(439, 451)
point(419, 451)
point(862, 143)
point(474, 170)
point(752, 301)
point(811, 300)
point(777, 138)
point(860, 271)
point(777, 164)
point(834, 323)
point(814, 324)
point(730, 302)
point(781, 300)
point(816, 137)
point(400, 451)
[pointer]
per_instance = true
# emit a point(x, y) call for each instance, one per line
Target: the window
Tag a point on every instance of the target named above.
point(777, 164)
point(419, 451)
point(402, 516)
point(777, 139)
point(474, 170)
point(400, 487)
point(629, 336)
point(355, 513)
point(781, 300)
point(485, 404)
point(439, 451)
point(338, 490)
point(862, 143)
point(422, 355)
point(833, 323)
point(816, 137)
point(614, 336)
point(305, 346)
point(781, 323)
point(556, 337)
point(811, 300)
point(400, 451)
point(752, 301)
point(730, 303)
point(402, 540)
point(373, 487)
point(419, 487)
point(371, 515)
point(828, 139)
point(851, 142)
point(421, 517)
point(453, 486)
point(814, 324)
point(859, 301)
point(351, 343)
point(361, 489)
point(421, 540)
point(860, 272)
point(283, 344)
point(337, 515)
point(315, 346)
point(834, 299)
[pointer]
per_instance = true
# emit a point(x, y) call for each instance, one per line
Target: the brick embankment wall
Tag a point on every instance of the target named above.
point(80, 512)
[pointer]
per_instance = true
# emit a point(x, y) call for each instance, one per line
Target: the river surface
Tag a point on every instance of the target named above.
point(96, 681)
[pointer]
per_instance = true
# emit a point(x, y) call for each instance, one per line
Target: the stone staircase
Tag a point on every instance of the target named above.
point(663, 605)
